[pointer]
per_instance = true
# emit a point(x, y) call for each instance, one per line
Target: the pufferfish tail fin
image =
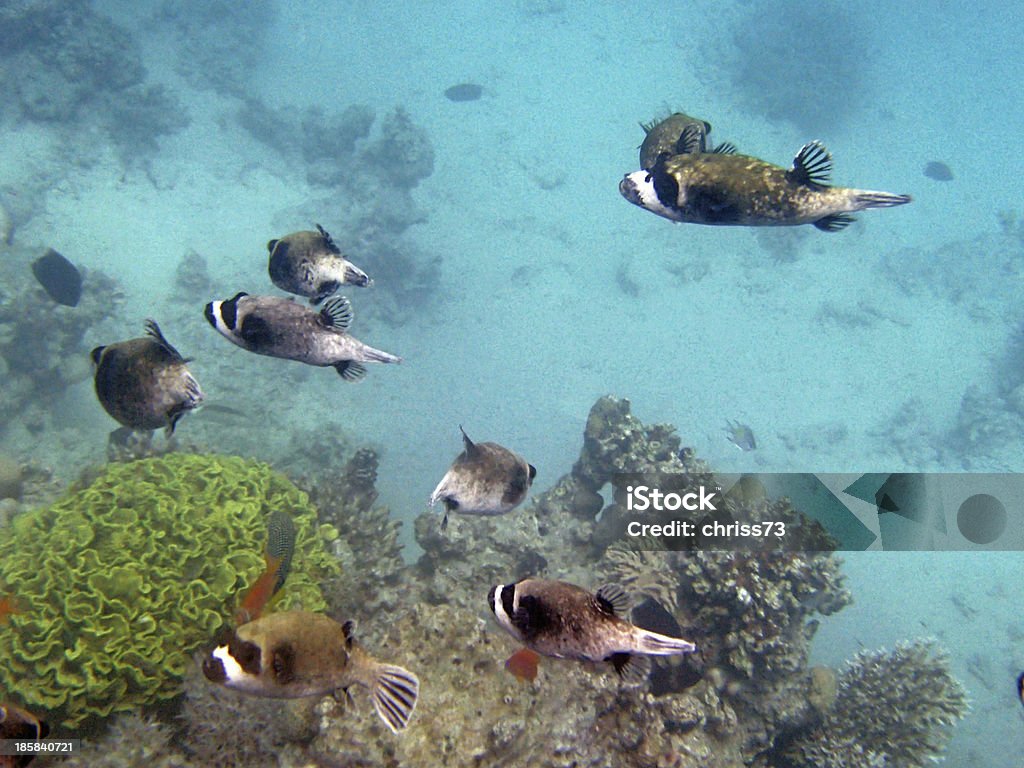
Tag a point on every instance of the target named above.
point(654, 644)
point(868, 198)
point(395, 692)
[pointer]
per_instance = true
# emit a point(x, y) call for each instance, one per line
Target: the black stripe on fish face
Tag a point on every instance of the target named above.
point(508, 596)
point(246, 654)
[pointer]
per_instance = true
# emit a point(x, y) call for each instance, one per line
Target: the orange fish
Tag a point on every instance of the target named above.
point(523, 664)
point(278, 554)
point(8, 605)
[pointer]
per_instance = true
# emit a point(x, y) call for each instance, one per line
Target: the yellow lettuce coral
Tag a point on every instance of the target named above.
point(120, 581)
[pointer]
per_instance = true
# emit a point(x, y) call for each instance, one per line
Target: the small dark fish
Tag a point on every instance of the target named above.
point(59, 277)
point(1020, 687)
point(464, 92)
point(938, 170)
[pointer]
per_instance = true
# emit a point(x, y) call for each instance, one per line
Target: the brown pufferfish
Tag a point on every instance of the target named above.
point(145, 383)
point(485, 479)
point(734, 189)
point(295, 654)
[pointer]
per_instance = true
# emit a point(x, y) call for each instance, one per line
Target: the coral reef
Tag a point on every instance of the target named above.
point(747, 697)
point(369, 550)
point(219, 44)
point(72, 67)
point(125, 576)
point(41, 343)
point(892, 708)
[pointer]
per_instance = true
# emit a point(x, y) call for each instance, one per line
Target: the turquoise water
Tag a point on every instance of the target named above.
point(846, 352)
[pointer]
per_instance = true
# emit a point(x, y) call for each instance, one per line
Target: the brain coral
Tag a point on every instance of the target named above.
point(120, 581)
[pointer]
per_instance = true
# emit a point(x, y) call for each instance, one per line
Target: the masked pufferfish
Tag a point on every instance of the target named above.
point(283, 328)
point(677, 134)
point(485, 479)
point(309, 264)
point(564, 621)
point(145, 383)
point(725, 188)
point(296, 654)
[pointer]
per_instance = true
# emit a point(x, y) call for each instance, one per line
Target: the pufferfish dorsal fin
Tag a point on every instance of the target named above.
point(336, 314)
point(612, 600)
point(812, 165)
point(328, 240)
point(471, 449)
point(154, 332)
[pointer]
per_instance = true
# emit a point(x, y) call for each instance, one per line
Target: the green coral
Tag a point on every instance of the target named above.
point(120, 581)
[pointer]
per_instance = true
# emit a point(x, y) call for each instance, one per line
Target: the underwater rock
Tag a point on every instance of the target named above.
point(368, 549)
point(223, 728)
point(192, 276)
point(475, 713)
point(10, 478)
point(219, 43)
point(334, 137)
point(132, 739)
point(615, 441)
point(62, 57)
point(139, 116)
point(402, 155)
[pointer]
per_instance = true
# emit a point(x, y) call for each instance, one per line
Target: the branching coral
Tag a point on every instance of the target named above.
point(369, 549)
point(893, 708)
point(122, 579)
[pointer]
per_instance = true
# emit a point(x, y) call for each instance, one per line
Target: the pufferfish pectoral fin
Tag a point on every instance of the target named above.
point(613, 600)
point(337, 314)
point(350, 370)
point(835, 222)
point(632, 669)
